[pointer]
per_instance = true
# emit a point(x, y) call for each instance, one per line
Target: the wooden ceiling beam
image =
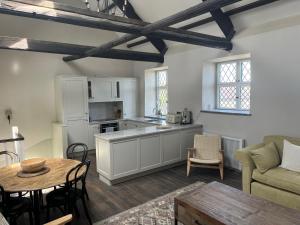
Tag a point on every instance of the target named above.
point(159, 44)
point(189, 13)
point(231, 12)
point(224, 22)
point(45, 12)
point(25, 44)
point(108, 8)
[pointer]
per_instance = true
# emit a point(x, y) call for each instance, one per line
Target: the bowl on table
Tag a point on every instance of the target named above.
point(33, 165)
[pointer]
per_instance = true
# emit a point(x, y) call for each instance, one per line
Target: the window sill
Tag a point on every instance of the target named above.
point(228, 112)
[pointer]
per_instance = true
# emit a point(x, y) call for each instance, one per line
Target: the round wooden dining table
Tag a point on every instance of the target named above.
point(56, 176)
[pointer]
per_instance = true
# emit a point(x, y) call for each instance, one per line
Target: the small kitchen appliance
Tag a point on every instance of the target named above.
point(174, 118)
point(186, 117)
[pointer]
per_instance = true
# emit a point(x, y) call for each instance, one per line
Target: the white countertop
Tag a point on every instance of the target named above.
point(144, 131)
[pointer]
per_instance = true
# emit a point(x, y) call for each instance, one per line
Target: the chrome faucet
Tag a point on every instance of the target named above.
point(156, 111)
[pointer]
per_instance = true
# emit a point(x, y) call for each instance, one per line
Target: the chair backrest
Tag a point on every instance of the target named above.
point(3, 200)
point(77, 151)
point(77, 175)
point(8, 157)
point(207, 146)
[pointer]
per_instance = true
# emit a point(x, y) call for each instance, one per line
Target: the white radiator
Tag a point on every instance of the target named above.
point(230, 145)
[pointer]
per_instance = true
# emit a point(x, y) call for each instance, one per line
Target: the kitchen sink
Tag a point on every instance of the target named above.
point(152, 120)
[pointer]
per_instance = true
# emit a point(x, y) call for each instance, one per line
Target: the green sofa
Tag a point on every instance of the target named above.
point(277, 185)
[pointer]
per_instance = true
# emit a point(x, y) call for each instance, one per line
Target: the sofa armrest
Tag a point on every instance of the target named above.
point(243, 155)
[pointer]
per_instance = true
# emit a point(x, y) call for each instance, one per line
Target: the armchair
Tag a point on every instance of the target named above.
point(206, 153)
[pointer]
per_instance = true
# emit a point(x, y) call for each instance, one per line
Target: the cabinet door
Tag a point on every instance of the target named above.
point(93, 129)
point(128, 90)
point(170, 147)
point(150, 152)
point(125, 158)
point(116, 89)
point(78, 131)
point(75, 98)
point(101, 90)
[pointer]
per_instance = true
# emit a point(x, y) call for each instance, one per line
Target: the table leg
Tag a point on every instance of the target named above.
point(36, 207)
point(176, 222)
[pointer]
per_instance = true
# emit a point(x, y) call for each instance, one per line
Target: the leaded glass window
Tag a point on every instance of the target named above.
point(162, 92)
point(234, 85)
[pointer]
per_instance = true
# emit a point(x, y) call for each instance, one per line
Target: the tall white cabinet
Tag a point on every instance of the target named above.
point(72, 107)
point(128, 94)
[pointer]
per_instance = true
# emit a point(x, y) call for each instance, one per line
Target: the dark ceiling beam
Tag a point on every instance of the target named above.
point(49, 14)
point(231, 12)
point(159, 44)
point(189, 13)
point(108, 8)
point(25, 44)
point(83, 12)
point(224, 22)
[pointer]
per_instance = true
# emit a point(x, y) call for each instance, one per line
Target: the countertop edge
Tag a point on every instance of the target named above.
point(182, 127)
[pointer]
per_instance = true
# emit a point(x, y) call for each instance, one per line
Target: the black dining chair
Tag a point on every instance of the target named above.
point(10, 157)
point(13, 207)
point(66, 198)
point(77, 151)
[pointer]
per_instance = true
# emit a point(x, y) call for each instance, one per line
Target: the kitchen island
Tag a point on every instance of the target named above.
point(130, 153)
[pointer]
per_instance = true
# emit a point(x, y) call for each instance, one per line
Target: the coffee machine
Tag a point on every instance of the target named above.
point(186, 117)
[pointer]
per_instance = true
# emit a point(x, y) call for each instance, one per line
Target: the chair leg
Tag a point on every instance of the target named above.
point(86, 211)
point(188, 169)
point(76, 211)
point(30, 218)
point(48, 213)
point(221, 168)
point(86, 194)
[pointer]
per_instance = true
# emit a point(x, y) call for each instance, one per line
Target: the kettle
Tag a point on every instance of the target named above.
point(186, 117)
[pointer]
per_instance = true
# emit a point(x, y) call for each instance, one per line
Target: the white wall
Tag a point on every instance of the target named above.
point(275, 87)
point(27, 79)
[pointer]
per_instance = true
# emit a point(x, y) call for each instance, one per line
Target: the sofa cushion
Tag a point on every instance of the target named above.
point(278, 141)
point(279, 178)
point(266, 157)
point(291, 156)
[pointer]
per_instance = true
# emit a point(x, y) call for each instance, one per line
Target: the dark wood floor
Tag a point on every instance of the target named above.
point(106, 201)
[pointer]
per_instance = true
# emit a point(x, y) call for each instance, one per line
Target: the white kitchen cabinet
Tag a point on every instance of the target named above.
point(71, 98)
point(170, 147)
point(128, 92)
point(78, 131)
point(125, 158)
point(93, 129)
point(72, 107)
point(150, 152)
point(104, 89)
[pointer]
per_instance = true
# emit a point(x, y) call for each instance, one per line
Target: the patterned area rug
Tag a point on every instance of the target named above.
point(159, 211)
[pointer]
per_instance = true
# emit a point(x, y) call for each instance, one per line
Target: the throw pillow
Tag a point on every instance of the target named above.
point(290, 156)
point(266, 157)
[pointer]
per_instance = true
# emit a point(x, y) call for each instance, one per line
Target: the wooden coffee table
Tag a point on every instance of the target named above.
point(218, 204)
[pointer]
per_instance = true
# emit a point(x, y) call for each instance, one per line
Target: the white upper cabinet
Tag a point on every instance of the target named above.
point(128, 91)
point(103, 90)
point(72, 98)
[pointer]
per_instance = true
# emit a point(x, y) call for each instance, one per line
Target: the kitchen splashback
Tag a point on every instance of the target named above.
point(103, 110)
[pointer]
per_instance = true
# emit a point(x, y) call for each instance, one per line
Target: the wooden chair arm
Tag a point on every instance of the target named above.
point(221, 155)
point(61, 221)
point(191, 152)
